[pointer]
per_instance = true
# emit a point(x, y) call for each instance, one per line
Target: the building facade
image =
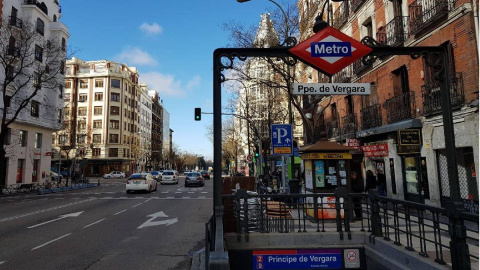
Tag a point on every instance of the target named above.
point(29, 138)
point(398, 128)
point(157, 131)
point(145, 126)
point(101, 119)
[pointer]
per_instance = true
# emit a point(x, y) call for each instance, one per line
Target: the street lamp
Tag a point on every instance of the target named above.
point(319, 22)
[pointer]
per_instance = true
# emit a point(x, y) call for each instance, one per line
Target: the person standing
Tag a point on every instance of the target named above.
point(371, 181)
point(356, 187)
point(382, 183)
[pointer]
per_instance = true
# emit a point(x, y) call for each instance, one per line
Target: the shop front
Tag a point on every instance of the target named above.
point(327, 167)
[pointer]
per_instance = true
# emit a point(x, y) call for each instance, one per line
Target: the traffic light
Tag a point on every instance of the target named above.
point(198, 114)
point(257, 151)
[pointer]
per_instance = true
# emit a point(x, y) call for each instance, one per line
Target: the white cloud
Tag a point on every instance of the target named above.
point(134, 56)
point(152, 29)
point(167, 85)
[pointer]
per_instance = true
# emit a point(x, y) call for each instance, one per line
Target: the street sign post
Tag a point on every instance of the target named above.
point(330, 50)
point(331, 89)
point(282, 139)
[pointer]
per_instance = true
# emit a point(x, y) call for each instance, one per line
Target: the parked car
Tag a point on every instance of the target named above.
point(169, 177)
point(194, 178)
point(156, 175)
point(205, 174)
point(55, 176)
point(114, 174)
point(141, 181)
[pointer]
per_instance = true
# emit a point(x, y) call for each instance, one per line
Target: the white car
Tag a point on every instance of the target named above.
point(169, 177)
point(114, 174)
point(141, 181)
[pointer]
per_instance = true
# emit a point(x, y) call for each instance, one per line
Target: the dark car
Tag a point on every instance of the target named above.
point(205, 174)
point(194, 178)
point(156, 175)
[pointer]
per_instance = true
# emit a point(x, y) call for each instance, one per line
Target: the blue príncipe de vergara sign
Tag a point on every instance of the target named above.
point(297, 259)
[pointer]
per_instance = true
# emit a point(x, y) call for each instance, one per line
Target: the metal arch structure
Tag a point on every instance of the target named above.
point(458, 246)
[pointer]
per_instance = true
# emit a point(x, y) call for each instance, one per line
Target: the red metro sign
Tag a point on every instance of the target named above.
point(330, 50)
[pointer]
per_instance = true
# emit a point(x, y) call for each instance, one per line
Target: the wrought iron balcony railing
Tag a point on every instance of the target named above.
point(395, 33)
point(400, 107)
point(344, 76)
point(425, 12)
point(15, 21)
point(359, 67)
point(333, 129)
point(349, 125)
point(341, 15)
point(356, 4)
point(431, 95)
point(41, 6)
point(371, 116)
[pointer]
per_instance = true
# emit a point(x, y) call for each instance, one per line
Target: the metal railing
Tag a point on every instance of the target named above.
point(431, 96)
point(358, 66)
point(356, 4)
point(418, 227)
point(349, 125)
point(41, 6)
point(15, 21)
point(36, 187)
point(344, 76)
point(424, 13)
point(371, 116)
point(395, 33)
point(341, 15)
point(400, 107)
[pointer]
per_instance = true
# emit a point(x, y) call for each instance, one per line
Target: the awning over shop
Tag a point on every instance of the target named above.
point(411, 123)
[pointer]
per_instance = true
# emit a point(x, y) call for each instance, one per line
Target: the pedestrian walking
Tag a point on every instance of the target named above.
point(382, 183)
point(371, 181)
point(357, 187)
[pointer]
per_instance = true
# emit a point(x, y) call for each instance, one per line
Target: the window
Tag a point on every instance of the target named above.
point(82, 138)
point(115, 83)
point(97, 124)
point(98, 96)
point(114, 110)
point(82, 97)
point(36, 79)
point(113, 138)
point(8, 100)
point(60, 91)
point(62, 67)
point(66, 125)
point(113, 152)
point(97, 138)
point(38, 53)
point(68, 84)
point(59, 115)
point(114, 124)
point(97, 110)
point(115, 97)
point(63, 139)
point(82, 111)
point(35, 108)
point(96, 152)
point(98, 83)
point(83, 84)
point(8, 137)
point(10, 72)
point(64, 45)
point(22, 138)
point(38, 140)
point(67, 111)
point(67, 97)
point(20, 166)
point(82, 124)
point(40, 26)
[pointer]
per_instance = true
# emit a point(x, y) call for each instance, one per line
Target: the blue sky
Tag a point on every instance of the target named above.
point(170, 42)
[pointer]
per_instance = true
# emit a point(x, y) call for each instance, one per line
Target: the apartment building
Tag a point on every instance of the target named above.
point(398, 127)
point(29, 138)
point(157, 131)
point(101, 130)
point(145, 127)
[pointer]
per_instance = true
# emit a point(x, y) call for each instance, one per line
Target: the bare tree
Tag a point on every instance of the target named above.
point(33, 66)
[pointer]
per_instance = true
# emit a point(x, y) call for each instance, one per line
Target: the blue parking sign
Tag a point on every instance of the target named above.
point(282, 139)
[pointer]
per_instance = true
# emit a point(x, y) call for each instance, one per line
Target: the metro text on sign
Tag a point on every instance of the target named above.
point(331, 89)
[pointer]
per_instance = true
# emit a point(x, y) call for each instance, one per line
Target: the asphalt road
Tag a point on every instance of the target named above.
point(105, 228)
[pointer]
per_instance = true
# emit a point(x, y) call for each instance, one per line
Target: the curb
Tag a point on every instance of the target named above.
point(198, 260)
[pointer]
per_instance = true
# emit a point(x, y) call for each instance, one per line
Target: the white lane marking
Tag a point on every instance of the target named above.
point(203, 192)
point(191, 192)
point(45, 210)
point(98, 221)
point(136, 205)
point(201, 197)
point(2, 262)
point(42, 245)
point(164, 191)
point(61, 217)
point(170, 197)
point(120, 212)
point(178, 192)
point(186, 197)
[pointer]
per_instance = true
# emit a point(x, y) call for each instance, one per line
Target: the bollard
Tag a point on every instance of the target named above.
point(98, 182)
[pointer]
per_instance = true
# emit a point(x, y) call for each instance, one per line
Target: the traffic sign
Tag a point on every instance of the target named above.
point(331, 89)
point(330, 50)
point(249, 158)
point(282, 139)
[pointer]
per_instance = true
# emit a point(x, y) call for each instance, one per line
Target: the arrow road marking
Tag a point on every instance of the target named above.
point(59, 218)
point(149, 222)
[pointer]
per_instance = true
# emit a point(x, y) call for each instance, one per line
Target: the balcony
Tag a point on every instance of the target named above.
point(344, 76)
point(431, 96)
point(426, 12)
point(15, 21)
point(359, 67)
point(349, 126)
point(39, 5)
point(371, 116)
point(400, 107)
point(356, 4)
point(341, 15)
point(395, 33)
point(333, 129)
